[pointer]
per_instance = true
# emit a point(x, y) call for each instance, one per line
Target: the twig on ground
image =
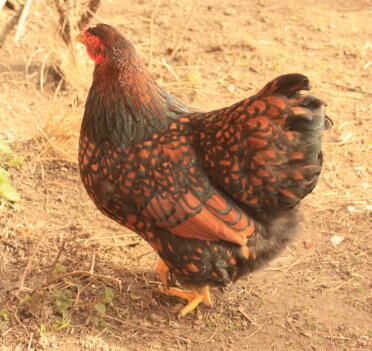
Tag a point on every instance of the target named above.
point(245, 315)
point(210, 338)
point(255, 332)
point(10, 26)
point(16, 317)
point(145, 254)
point(132, 326)
point(345, 87)
point(6, 332)
point(91, 270)
point(170, 69)
point(30, 341)
point(28, 265)
point(295, 263)
point(52, 267)
point(22, 19)
point(84, 273)
point(337, 337)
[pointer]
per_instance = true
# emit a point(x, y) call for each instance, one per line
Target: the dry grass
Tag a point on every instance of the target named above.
point(59, 134)
point(61, 69)
point(314, 298)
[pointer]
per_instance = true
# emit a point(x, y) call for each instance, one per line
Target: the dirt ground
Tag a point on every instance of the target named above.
point(71, 279)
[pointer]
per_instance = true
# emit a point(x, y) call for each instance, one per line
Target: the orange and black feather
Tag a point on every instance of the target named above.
point(213, 193)
point(265, 151)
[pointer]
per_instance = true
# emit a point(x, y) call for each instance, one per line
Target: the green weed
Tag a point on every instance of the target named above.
point(8, 159)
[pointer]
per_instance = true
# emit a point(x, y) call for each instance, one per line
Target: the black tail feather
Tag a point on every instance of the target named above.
point(288, 85)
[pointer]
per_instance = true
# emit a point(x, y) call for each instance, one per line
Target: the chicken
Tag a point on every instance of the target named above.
point(215, 194)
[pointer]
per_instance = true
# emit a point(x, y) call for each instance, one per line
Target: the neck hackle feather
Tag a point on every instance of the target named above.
point(125, 104)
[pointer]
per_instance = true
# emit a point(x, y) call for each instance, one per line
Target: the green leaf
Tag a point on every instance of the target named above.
point(4, 315)
point(107, 296)
point(7, 191)
point(60, 324)
point(100, 308)
point(4, 176)
point(62, 303)
point(59, 269)
point(5, 149)
point(27, 298)
point(43, 329)
point(134, 297)
point(15, 161)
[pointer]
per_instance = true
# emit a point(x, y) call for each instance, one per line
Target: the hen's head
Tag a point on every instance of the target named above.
point(104, 43)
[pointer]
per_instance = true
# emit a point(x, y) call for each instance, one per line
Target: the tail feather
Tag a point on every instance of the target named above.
point(287, 85)
point(304, 115)
point(308, 120)
point(265, 151)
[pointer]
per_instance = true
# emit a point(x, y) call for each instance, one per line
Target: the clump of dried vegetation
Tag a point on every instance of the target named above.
point(60, 69)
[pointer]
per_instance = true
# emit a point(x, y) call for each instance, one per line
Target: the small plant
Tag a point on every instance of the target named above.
point(59, 269)
point(43, 330)
point(103, 302)
point(8, 159)
point(62, 303)
point(4, 321)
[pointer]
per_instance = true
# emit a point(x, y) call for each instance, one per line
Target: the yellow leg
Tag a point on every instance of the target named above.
point(163, 271)
point(207, 297)
point(194, 297)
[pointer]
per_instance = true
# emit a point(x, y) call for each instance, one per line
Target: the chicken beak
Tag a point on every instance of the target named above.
point(80, 38)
